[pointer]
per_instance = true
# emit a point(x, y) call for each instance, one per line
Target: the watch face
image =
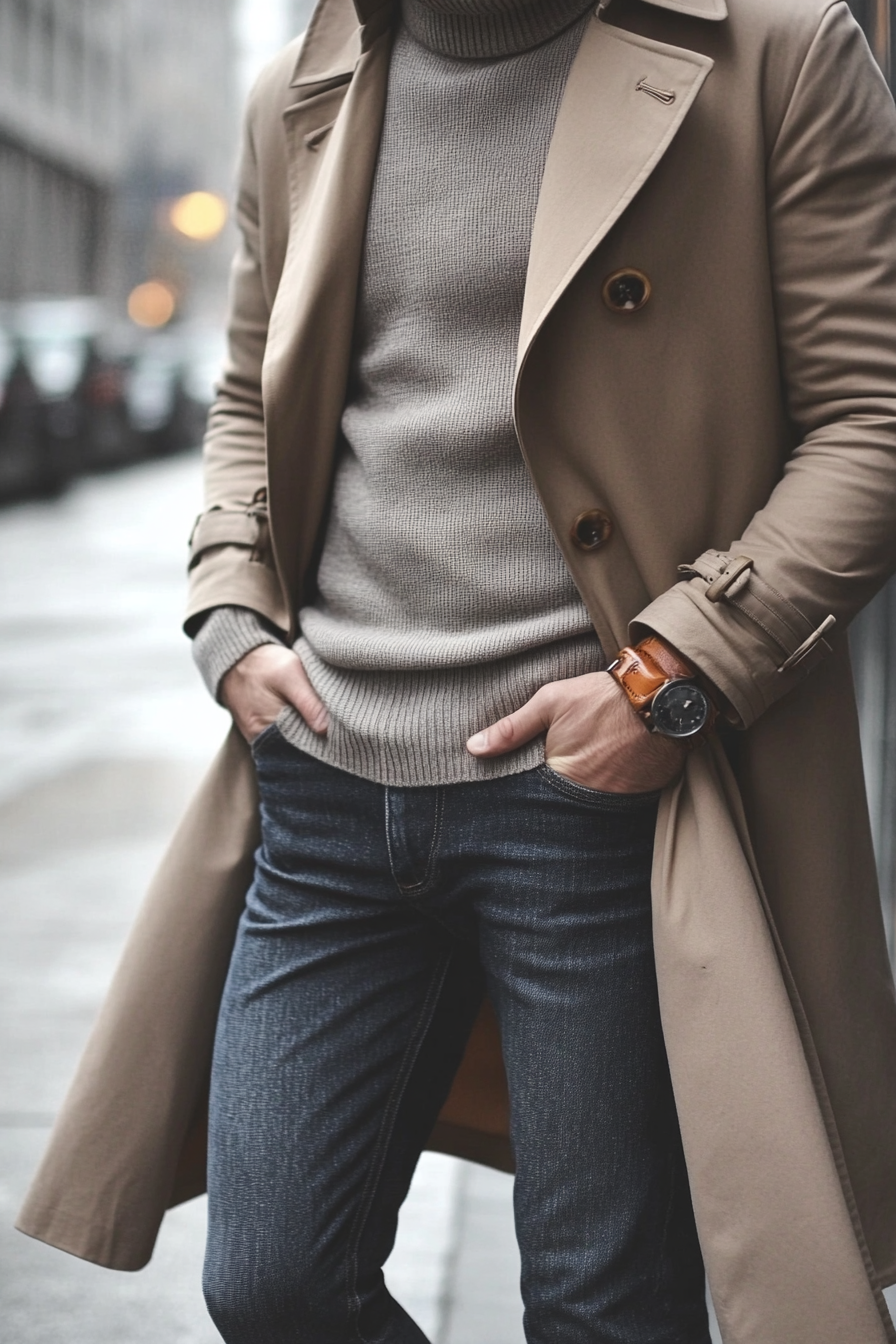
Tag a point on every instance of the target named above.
point(679, 709)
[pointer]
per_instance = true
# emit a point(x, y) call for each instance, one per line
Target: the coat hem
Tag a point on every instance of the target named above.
point(78, 1237)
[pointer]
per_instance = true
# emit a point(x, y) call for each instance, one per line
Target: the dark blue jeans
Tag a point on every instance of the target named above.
point(377, 920)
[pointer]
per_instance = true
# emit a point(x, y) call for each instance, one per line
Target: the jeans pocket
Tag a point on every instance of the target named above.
point(265, 736)
point(581, 793)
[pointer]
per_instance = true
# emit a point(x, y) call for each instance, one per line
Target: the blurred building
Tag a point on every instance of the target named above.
point(62, 106)
point(182, 130)
point(109, 110)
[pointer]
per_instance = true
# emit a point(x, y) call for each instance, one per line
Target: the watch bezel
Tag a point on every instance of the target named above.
point(663, 690)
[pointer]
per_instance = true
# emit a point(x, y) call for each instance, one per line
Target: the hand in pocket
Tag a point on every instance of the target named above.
point(263, 683)
point(593, 737)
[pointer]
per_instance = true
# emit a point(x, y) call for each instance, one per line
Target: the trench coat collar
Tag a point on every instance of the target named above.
point(699, 9)
point(334, 42)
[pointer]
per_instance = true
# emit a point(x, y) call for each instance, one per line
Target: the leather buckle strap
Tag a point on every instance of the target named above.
point(639, 674)
point(228, 527)
point(644, 670)
point(727, 583)
point(733, 579)
point(725, 575)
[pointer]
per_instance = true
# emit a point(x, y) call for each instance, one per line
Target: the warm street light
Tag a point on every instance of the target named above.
point(200, 216)
point(151, 304)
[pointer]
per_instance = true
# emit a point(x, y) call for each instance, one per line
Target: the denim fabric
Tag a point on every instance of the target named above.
point(377, 918)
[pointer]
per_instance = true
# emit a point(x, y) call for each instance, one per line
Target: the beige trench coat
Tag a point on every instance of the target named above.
point(744, 159)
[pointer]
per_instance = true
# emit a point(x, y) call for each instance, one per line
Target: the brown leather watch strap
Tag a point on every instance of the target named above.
point(642, 670)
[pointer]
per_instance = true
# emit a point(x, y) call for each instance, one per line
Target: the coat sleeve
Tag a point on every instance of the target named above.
point(230, 554)
point(757, 618)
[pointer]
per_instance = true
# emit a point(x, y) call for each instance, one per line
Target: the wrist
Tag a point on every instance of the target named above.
point(664, 690)
point(226, 637)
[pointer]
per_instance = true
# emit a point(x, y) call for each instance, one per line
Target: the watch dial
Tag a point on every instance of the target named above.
point(679, 709)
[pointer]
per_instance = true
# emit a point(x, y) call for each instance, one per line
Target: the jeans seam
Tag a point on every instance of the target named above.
point(660, 1291)
point(434, 846)
point(415, 889)
point(384, 1138)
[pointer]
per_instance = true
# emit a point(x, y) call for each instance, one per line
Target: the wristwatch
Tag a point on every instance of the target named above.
point(663, 689)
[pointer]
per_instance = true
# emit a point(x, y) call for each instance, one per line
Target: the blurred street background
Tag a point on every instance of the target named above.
point(119, 125)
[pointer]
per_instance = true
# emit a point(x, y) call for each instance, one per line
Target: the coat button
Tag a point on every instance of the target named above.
point(626, 291)
point(591, 529)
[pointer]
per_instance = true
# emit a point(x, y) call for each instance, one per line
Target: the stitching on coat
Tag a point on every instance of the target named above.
point(786, 600)
point(757, 596)
point(755, 588)
point(762, 626)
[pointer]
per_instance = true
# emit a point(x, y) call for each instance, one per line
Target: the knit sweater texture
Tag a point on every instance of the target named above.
point(443, 601)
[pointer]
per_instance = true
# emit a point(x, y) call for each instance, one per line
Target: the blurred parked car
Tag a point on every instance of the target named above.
point(80, 382)
point(169, 388)
point(154, 394)
point(204, 354)
point(79, 394)
point(24, 468)
point(108, 438)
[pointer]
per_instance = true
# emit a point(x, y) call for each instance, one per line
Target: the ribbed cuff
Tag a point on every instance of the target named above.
point(226, 636)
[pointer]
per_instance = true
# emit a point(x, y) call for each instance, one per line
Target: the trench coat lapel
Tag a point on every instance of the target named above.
point(312, 319)
point(625, 100)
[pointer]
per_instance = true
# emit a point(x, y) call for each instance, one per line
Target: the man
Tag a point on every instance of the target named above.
point(554, 331)
point(442, 602)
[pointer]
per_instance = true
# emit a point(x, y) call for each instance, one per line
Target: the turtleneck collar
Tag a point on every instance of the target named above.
point(488, 29)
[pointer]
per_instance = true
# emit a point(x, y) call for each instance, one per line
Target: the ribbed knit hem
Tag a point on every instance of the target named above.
point(410, 728)
point(488, 29)
point(226, 636)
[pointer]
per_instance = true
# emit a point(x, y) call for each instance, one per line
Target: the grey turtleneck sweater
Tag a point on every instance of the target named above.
point(443, 601)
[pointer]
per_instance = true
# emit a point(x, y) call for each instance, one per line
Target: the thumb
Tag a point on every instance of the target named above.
point(513, 731)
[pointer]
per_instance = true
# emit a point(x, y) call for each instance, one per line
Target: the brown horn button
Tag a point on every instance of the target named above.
point(626, 291)
point(591, 530)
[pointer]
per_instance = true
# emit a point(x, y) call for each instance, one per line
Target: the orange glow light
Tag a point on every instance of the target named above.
point(151, 304)
point(200, 216)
